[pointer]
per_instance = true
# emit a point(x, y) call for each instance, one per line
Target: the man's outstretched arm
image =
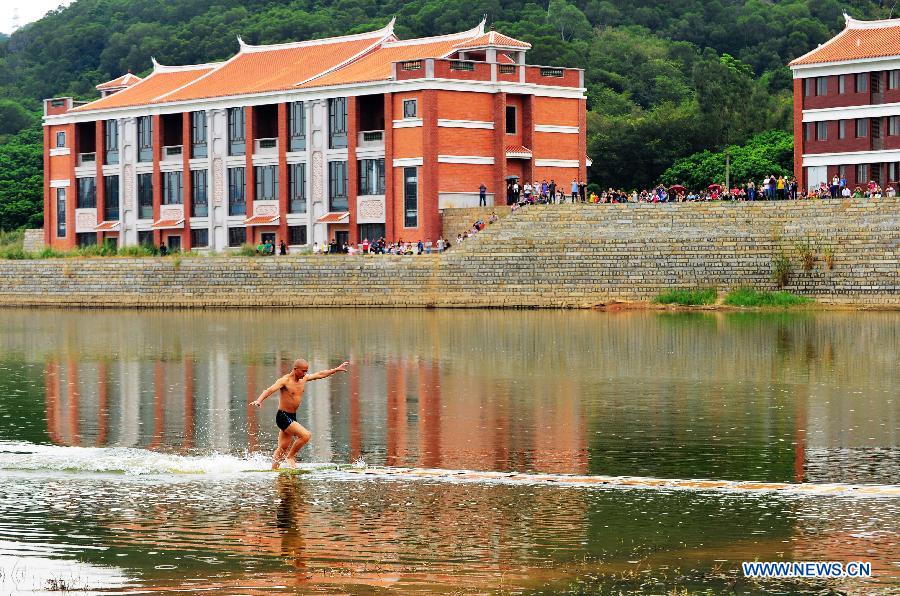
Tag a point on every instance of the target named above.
point(262, 396)
point(323, 374)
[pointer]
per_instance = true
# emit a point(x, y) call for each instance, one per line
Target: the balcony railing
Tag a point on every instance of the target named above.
point(371, 138)
point(265, 147)
point(172, 153)
point(87, 159)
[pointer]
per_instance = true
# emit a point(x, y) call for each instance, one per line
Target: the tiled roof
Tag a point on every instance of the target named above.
point(306, 64)
point(258, 220)
point(519, 151)
point(494, 39)
point(164, 224)
point(859, 40)
point(162, 80)
point(334, 217)
point(376, 66)
point(107, 225)
point(126, 80)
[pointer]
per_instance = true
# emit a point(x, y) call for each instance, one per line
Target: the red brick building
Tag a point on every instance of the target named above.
point(349, 137)
point(847, 107)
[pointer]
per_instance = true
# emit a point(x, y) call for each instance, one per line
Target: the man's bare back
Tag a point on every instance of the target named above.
point(291, 387)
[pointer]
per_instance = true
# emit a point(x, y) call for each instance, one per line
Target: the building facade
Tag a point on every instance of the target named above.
point(345, 138)
point(847, 107)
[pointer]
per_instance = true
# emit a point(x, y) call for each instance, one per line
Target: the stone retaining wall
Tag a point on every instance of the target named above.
point(541, 256)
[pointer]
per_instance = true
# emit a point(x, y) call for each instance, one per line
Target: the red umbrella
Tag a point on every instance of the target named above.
point(677, 188)
point(716, 187)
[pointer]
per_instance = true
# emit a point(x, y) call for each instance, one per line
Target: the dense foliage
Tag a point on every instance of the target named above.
point(22, 180)
point(768, 153)
point(665, 79)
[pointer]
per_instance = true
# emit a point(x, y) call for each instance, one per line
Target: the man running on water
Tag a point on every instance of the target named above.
point(291, 386)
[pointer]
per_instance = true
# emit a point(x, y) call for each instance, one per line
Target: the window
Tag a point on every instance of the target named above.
point(410, 197)
point(862, 125)
point(551, 72)
point(842, 84)
point(808, 87)
point(411, 65)
point(892, 171)
point(61, 139)
point(507, 69)
point(807, 131)
point(842, 172)
point(296, 235)
point(60, 212)
point(297, 191)
point(297, 127)
point(145, 237)
point(198, 134)
point(145, 196)
point(337, 186)
point(236, 203)
point(875, 79)
point(821, 131)
point(237, 236)
point(87, 193)
point(266, 183)
point(172, 189)
point(199, 238)
point(236, 131)
point(86, 239)
point(111, 141)
point(111, 198)
point(893, 79)
point(410, 108)
point(510, 120)
point(337, 123)
point(894, 125)
point(199, 194)
point(371, 176)
point(145, 138)
point(462, 65)
point(861, 82)
point(842, 129)
point(821, 85)
point(862, 173)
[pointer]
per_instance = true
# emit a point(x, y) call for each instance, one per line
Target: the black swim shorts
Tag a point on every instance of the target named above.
point(283, 419)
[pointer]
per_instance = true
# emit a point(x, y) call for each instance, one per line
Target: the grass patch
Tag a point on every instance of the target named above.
point(693, 297)
point(753, 297)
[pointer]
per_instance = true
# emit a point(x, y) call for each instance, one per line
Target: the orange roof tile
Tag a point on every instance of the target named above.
point(258, 220)
point(164, 224)
point(107, 225)
point(494, 39)
point(518, 151)
point(376, 66)
point(126, 80)
point(162, 80)
point(275, 68)
point(859, 40)
point(334, 217)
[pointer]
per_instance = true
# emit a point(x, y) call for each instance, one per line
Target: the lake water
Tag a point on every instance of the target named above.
point(127, 447)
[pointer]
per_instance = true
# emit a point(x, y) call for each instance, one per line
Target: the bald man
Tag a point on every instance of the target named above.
point(291, 386)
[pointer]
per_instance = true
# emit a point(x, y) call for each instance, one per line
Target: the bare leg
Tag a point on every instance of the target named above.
point(284, 441)
point(296, 430)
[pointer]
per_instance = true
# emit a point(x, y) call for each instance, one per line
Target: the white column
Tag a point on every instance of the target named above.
point(128, 181)
point(129, 404)
point(217, 149)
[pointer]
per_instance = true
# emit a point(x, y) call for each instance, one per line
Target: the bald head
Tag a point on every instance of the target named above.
point(301, 367)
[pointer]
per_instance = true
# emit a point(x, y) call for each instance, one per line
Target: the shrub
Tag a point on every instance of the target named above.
point(781, 270)
point(753, 297)
point(137, 251)
point(684, 297)
point(247, 250)
point(828, 255)
point(806, 250)
point(14, 252)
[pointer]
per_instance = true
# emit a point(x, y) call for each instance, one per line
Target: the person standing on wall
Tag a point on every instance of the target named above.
point(482, 196)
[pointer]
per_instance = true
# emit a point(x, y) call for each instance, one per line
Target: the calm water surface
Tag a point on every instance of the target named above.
point(126, 442)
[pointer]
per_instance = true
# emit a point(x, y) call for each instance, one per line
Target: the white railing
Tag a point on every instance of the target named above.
point(370, 138)
point(87, 159)
point(172, 153)
point(265, 147)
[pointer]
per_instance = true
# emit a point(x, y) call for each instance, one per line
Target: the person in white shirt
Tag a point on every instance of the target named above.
point(846, 192)
point(316, 249)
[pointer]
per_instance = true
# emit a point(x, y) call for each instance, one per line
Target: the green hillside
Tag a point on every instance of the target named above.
point(665, 79)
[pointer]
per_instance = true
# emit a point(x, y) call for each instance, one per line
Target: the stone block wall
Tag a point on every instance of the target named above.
point(541, 256)
point(458, 221)
point(33, 240)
